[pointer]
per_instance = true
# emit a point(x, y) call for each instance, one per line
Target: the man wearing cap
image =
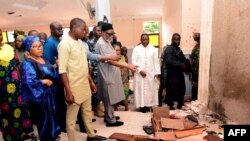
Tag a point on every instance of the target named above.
point(18, 32)
point(194, 59)
point(19, 47)
point(109, 87)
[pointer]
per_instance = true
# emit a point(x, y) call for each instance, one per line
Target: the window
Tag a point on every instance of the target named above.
point(5, 38)
point(154, 39)
point(152, 28)
point(10, 36)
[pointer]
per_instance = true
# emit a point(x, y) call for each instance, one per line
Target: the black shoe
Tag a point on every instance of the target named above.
point(130, 92)
point(192, 118)
point(179, 106)
point(116, 118)
point(148, 129)
point(143, 109)
point(64, 130)
point(171, 108)
point(93, 119)
point(117, 123)
point(31, 137)
point(96, 138)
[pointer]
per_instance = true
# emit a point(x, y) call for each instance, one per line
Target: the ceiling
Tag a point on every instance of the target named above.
point(20, 13)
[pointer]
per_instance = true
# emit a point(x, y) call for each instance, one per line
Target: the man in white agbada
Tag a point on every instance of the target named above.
point(146, 79)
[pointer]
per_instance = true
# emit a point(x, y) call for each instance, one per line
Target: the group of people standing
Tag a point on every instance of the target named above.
point(62, 80)
point(174, 65)
point(36, 86)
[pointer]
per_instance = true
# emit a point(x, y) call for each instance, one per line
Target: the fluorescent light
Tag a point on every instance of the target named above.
point(35, 5)
point(25, 6)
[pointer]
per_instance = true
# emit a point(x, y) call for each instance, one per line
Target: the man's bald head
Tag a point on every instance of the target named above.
point(78, 28)
point(53, 25)
point(76, 22)
point(56, 29)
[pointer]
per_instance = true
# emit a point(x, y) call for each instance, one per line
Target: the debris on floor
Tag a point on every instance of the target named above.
point(210, 137)
point(192, 120)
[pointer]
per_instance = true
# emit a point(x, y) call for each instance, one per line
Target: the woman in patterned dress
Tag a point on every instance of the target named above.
point(14, 117)
point(40, 86)
point(124, 75)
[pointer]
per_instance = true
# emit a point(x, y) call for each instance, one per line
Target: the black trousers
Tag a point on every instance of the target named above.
point(94, 101)
point(194, 92)
point(161, 88)
point(176, 92)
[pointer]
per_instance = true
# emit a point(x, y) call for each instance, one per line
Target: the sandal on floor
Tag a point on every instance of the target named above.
point(148, 129)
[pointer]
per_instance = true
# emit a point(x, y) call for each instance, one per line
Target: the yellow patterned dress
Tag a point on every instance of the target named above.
point(14, 118)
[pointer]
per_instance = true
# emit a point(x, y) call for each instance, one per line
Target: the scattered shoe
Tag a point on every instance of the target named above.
point(148, 129)
point(192, 118)
point(211, 132)
point(96, 138)
point(116, 118)
point(117, 123)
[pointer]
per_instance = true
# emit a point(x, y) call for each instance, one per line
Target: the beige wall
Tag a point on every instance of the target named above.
point(42, 28)
point(39, 28)
point(229, 66)
point(191, 21)
point(171, 20)
point(129, 30)
point(205, 51)
point(181, 16)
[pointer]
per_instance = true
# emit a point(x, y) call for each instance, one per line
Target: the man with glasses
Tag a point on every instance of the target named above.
point(110, 87)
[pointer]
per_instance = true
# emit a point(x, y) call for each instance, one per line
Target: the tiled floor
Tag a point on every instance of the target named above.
point(133, 123)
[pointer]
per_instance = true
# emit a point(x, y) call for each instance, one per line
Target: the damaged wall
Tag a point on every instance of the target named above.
point(181, 16)
point(230, 64)
point(171, 20)
point(191, 22)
